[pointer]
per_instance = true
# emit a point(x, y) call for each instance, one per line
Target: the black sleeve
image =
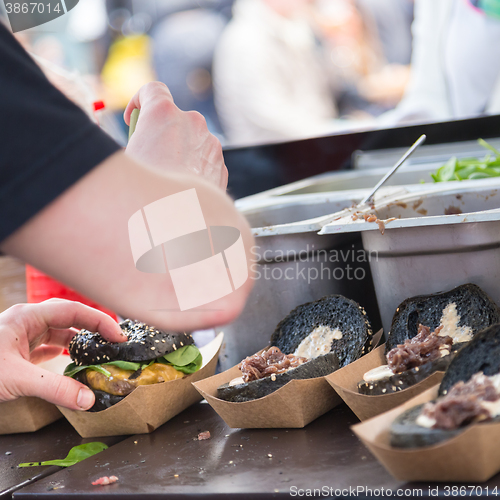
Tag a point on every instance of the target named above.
point(47, 143)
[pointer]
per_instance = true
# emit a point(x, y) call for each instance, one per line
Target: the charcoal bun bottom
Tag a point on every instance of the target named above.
point(104, 400)
point(317, 367)
point(406, 379)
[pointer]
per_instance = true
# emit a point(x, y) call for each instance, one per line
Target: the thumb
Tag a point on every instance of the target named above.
point(54, 388)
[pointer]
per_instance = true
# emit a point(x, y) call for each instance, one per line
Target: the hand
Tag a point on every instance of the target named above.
point(171, 139)
point(32, 333)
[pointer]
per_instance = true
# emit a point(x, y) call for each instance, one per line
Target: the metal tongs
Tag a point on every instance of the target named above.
point(368, 199)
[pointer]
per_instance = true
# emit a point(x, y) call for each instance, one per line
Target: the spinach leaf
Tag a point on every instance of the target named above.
point(72, 369)
point(75, 455)
point(187, 359)
point(125, 365)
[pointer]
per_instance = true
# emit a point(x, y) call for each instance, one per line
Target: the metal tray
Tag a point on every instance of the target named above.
point(441, 238)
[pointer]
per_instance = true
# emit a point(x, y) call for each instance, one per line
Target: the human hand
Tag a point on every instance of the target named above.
point(32, 333)
point(171, 139)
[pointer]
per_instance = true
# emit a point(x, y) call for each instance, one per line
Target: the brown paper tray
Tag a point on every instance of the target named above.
point(292, 406)
point(149, 406)
point(472, 456)
point(345, 381)
point(26, 415)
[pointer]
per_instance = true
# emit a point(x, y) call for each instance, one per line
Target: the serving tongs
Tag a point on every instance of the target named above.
point(317, 223)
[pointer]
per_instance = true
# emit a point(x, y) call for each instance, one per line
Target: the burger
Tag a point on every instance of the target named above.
point(114, 370)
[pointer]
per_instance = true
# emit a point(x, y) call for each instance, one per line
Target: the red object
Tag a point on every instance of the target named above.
point(40, 287)
point(102, 481)
point(99, 105)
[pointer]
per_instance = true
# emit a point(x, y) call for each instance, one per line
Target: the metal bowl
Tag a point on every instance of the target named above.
point(441, 238)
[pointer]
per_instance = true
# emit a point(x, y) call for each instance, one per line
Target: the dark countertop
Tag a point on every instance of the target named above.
point(51, 442)
point(235, 463)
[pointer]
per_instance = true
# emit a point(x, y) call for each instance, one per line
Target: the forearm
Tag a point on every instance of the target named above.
point(82, 239)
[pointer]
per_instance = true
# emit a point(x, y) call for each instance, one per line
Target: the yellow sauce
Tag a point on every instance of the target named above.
point(119, 383)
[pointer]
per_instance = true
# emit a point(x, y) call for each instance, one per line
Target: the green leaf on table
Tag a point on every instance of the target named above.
point(75, 455)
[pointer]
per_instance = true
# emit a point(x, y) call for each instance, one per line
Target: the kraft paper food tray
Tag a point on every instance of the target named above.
point(292, 406)
point(472, 456)
point(148, 406)
point(26, 415)
point(345, 382)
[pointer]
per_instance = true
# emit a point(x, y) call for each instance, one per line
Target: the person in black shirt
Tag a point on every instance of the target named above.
point(66, 193)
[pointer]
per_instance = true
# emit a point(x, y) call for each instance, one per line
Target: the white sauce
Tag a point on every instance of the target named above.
point(318, 342)
point(378, 373)
point(425, 421)
point(236, 381)
point(449, 322)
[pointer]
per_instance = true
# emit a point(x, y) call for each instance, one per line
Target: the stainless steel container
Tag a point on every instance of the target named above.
point(441, 238)
point(371, 166)
point(296, 267)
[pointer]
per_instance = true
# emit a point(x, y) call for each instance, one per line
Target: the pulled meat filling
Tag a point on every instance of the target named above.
point(270, 362)
point(424, 347)
point(462, 404)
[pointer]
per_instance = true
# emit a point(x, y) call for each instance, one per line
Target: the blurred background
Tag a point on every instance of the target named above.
point(258, 70)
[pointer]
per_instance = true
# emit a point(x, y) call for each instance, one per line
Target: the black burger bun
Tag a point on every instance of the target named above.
point(317, 367)
point(335, 312)
point(481, 354)
point(476, 310)
point(405, 379)
point(144, 343)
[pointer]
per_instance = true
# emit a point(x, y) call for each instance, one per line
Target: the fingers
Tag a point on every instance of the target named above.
point(44, 353)
point(57, 389)
point(40, 321)
point(146, 93)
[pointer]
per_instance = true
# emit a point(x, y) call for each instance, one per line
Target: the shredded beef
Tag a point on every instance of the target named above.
point(421, 349)
point(462, 404)
point(270, 362)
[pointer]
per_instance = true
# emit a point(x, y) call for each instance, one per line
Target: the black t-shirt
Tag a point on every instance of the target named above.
point(47, 143)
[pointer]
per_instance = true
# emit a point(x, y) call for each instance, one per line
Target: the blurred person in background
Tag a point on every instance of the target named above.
point(455, 66)
point(269, 79)
point(289, 69)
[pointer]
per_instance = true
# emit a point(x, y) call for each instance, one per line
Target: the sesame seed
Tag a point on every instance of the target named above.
point(384, 390)
point(153, 348)
point(182, 344)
